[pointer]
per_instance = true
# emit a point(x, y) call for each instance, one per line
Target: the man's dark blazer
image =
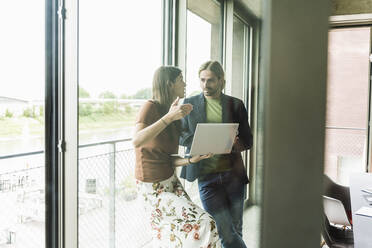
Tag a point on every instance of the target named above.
point(233, 111)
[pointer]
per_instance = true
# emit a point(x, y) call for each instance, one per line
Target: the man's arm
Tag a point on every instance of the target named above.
point(244, 139)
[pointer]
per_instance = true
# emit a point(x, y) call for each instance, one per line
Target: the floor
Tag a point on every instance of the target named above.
point(251, 226)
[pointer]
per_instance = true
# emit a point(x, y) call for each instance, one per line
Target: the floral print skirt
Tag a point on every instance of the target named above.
point(176, 222)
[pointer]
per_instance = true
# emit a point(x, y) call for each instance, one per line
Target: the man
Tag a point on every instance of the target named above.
point(221, 178)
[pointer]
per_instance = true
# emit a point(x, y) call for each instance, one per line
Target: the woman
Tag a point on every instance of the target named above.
point(175, 220)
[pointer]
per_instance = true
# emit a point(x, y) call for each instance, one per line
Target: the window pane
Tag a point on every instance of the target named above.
point(203, 44)
point(119, 50)
point(203, 39)
point(347, 102)
point(22, 49)
point(239, 66)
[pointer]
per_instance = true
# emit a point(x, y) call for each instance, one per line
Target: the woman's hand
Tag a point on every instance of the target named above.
point(177, 112)
point(186, 161)
point(197, 158)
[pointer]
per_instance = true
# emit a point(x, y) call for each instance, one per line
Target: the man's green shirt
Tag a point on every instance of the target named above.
point(217, 163)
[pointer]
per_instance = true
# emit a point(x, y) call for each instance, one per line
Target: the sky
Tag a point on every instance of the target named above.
point(22, 48)
point(119, 48)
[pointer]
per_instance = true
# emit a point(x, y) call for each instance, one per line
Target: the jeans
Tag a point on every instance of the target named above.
point(222, 196)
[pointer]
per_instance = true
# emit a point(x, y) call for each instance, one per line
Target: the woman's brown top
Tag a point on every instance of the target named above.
point(153, 160)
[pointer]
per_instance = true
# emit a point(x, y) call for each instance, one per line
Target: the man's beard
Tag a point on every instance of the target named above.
point(209, 92)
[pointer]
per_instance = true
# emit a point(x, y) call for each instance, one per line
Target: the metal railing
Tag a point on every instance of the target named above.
point(346, 141)
point(346, 128)
point(345, 151)
point(108, 202)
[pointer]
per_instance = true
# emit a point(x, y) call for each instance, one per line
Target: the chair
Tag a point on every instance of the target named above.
point(335, 212)
point(337, 223)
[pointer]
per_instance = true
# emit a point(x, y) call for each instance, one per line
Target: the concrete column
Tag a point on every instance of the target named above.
point(292, 98)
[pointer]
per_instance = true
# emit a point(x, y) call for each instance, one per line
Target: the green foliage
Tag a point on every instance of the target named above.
point(41, 111)
point(110, 107)
point(27, 112)
point(128, 109)
point(124, 96)
point(8, 114)
point(143, 94)
point(83, 93)
point(14, 127)
point(33, 111)
point(107, 95)
point(85, 109)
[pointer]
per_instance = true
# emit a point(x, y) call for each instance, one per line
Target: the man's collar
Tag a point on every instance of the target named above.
point(222, 96)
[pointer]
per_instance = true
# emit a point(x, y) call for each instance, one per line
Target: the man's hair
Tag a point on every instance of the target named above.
point(213, 66)
point(163, 78)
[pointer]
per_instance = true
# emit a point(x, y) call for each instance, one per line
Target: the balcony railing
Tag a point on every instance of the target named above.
point(110, 211)
point(345, 152)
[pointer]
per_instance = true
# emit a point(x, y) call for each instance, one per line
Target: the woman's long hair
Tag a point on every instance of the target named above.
point(163, 78)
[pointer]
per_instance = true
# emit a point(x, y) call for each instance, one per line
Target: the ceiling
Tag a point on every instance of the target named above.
point(253, 5)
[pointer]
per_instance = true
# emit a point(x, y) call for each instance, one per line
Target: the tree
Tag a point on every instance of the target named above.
point(28, 112)
point(125, 96)
point(107, 95)
point(8, 113)
point(143, 94)
point(41, 110)
point(83, 93)
point(85, 109)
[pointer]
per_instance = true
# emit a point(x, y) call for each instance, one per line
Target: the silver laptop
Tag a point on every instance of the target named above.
point(217, 138)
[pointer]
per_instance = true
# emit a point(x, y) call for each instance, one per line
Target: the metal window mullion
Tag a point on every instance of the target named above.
point(222, 31)
point(163, 32)
point(69, 122)
point(228, 24)
point(61, 138)
point(168, 32)
point(368, 166)
point(180, 34)
point(52, 201)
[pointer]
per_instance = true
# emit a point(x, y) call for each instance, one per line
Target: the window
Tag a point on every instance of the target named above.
point(203, 40)
point(22, 168)
point(119, 50)
point(347, 102)
point(240, 84)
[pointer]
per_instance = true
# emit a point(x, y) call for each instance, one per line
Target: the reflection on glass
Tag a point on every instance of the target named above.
point(119, 50)
point(347, 102)
point(22, 77)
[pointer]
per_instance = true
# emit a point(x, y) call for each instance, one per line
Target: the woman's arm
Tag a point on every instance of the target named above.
point(144, 133)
